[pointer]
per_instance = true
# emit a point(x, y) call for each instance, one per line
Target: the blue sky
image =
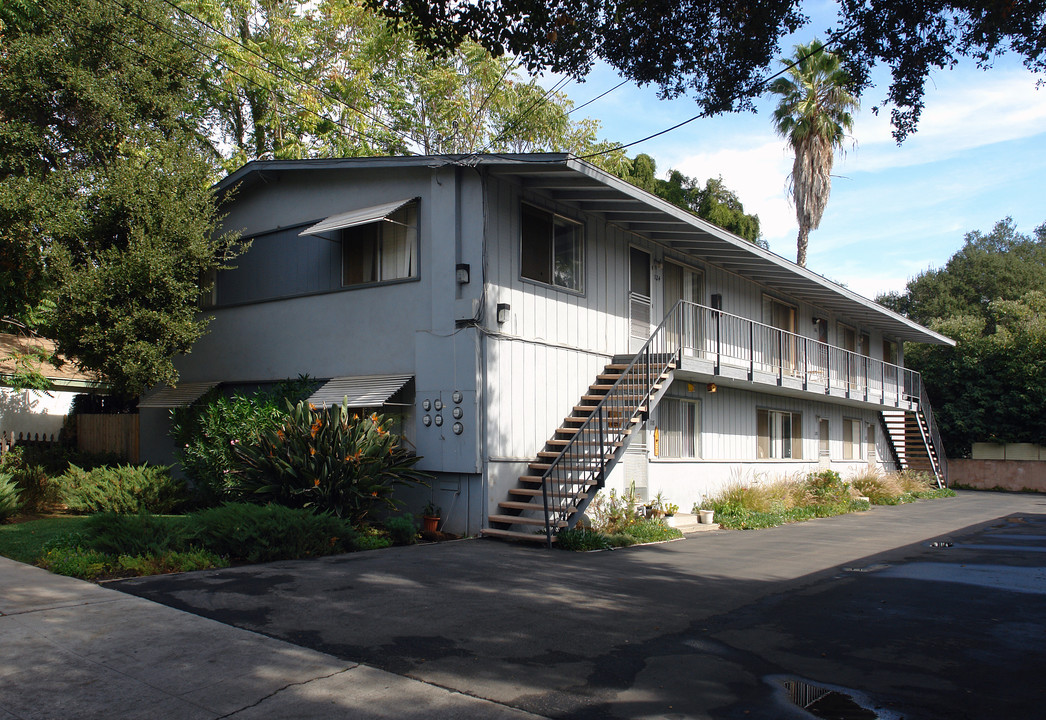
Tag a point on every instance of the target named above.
point(979, 155)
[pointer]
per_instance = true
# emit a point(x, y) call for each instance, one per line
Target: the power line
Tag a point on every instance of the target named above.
point(597, 97)
point(297, 77)
point(788, 67)
point(281, 96)
point(519, 118)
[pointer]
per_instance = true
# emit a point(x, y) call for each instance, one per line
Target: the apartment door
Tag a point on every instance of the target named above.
point(781, 348)
point(638, 298)
point(683, 283)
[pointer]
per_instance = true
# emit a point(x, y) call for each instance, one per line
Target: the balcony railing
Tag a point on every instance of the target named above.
point(731, 341)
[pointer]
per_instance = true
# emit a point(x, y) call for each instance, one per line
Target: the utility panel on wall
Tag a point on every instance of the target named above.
point(445, 407)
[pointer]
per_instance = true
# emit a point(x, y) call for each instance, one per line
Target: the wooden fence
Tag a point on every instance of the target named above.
point(109, 433)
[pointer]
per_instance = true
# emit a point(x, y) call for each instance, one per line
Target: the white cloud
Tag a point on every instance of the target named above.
point(756, 167)
point(964, 110)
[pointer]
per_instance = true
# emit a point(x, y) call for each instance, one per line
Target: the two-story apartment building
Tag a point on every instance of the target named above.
point(498, 303)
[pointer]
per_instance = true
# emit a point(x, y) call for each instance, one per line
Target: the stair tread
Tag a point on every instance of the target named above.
point(536, 492)
point(521, 520)
point(523, 505)
point(514, 535)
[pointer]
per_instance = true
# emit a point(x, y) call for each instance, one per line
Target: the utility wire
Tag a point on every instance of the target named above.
point(597, 97)
point(281, 96)
point(788, 67)
point(296, 76)
point(519, 118)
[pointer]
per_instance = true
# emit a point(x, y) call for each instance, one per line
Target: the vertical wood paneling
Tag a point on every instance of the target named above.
point(116, 434)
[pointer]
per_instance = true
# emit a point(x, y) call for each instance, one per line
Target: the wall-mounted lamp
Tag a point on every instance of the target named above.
point(503, 313)
point(462, 273)
point(711, 387)
point(818, 321)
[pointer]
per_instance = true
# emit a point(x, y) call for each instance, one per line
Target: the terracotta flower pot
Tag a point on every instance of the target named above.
point(429, 524)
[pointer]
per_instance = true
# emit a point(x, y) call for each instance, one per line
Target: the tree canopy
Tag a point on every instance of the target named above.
point(713, 202)
point(300, 78)
point(722, 52)
point(991, 299)
point(106, 217)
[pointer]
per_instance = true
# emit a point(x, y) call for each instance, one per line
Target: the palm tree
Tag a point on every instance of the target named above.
point(814, 115)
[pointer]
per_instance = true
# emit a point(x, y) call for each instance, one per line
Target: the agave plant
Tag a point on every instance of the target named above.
point(331, 460)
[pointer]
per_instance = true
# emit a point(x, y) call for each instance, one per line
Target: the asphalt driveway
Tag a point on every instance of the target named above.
point(930, 610)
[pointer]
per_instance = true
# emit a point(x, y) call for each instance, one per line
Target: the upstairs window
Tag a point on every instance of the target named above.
point(551, 249)
point(383, 250)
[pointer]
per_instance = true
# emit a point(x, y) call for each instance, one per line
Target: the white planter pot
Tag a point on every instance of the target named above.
point(706, 516)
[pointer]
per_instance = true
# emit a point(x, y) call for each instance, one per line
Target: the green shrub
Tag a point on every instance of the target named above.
point(649, 531)
point(206, 432)
point(262, 533)
point(37, 491)
point(826, 487)
point(140, 534)
point(10, 500)
point(123, 489)
point(330, 460)
point(402, 529)
point(581, 539)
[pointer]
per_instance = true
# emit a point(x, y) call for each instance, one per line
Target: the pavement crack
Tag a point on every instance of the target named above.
point(277, 691)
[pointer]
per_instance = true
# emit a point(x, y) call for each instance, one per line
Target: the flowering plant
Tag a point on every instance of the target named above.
point(330, 459)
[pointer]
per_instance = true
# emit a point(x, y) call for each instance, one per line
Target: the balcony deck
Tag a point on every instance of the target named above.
point(736, 352)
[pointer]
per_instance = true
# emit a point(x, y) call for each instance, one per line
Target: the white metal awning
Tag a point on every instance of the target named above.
point(172, 397)
point(361, 391)
point(353, 218)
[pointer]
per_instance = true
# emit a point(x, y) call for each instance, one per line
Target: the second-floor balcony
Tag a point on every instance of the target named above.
point(719, 345)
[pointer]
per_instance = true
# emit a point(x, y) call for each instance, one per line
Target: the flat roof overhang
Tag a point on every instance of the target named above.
point(565, 179)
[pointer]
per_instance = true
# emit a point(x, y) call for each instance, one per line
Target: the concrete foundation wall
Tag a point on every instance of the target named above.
point(1005, 474)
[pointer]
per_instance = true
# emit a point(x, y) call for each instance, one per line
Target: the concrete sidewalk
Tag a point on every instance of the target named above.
point(72, 649)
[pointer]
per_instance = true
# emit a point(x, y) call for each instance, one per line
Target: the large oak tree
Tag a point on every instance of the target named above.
point(106, 217)
point(723, 52)
point(989, 297)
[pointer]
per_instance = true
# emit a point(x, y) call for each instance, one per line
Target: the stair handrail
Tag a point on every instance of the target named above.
point(603, 412)
point(935, 436)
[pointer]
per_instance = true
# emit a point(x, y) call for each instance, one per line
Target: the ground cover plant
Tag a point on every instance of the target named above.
point(616, 522)
point(769, 502)
point(107, 545)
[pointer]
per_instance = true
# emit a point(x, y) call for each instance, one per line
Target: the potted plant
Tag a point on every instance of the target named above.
point(430, 517)
point(657, 507)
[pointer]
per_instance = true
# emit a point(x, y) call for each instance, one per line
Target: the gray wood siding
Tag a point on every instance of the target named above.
point(556, 341)
point(728, 422)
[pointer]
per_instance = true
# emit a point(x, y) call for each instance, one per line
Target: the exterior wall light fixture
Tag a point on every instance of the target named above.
point(503, 313)
point(461, 274)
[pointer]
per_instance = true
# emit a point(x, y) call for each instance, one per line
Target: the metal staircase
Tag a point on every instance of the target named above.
point(577, 459)
point(916, 441)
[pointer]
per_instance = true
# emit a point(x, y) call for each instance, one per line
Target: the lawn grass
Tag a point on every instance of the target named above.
point(24, 541)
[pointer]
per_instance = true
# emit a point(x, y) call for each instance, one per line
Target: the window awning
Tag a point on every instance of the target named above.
point(362, 391)
point(172, 397)
point(354, 218)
